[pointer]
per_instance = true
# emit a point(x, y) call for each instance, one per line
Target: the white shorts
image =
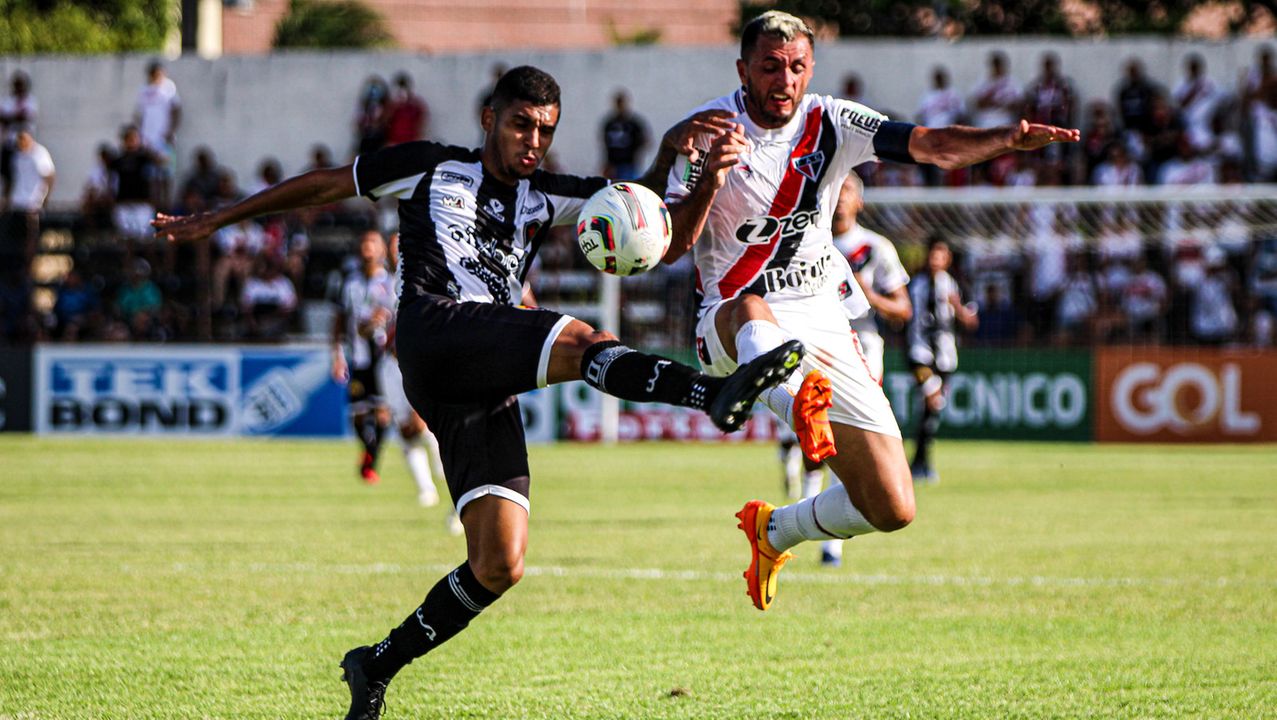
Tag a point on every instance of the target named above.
point(819, 322)
point(873, 347)
point(391, 379)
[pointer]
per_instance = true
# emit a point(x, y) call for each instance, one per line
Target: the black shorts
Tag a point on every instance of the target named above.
point(462, 365)
point(364, 389)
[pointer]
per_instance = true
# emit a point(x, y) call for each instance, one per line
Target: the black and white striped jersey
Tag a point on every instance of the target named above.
point(463, 233)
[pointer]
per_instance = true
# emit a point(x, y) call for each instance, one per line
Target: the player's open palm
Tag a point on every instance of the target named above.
point(1031, 136)
point(184, 228)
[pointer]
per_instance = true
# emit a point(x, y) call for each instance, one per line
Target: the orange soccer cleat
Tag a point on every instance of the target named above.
point(765, 561)
point(811, 417)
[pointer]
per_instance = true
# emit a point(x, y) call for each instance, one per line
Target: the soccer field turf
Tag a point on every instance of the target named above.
point(146, 579)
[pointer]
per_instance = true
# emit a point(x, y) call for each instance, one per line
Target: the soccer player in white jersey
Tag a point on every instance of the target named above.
point(360, 338)
point(757, 206)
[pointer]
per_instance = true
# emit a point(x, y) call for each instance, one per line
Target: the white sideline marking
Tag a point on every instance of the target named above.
point(658, 574)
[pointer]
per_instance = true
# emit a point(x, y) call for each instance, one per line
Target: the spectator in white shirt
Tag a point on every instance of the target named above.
point(33, 175)
point(1197, 97)
point(940, 106)
point(1118, 170)
point(17, 113)
point(1212, 312)
point(157, 114)
point(1144, 303)
point(999, 99)
point(268, 300)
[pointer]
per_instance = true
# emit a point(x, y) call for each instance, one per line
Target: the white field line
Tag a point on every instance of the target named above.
point(791, 577)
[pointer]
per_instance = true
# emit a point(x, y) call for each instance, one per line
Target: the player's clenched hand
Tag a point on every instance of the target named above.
point(1031, 136)
point(725, 154)
point(704, 126)
point(184, 228)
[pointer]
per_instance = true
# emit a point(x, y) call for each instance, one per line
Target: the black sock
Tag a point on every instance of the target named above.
point(632, 375)
point(370, 433)
point(450, 605)
point(928, 424)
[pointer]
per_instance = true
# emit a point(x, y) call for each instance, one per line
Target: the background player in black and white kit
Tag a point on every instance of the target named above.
point(471, 221)
point(361, 333)
point(933, 346)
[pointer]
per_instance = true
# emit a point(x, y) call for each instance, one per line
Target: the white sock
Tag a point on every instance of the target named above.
point(757, 337)
point(432, 446)
point(813, 482)
point(830, 515)
point(419, 465)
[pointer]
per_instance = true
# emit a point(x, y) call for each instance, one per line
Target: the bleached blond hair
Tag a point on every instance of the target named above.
point(777, 24)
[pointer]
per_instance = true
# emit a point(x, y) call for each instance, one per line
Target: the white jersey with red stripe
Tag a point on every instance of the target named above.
point(768, 230)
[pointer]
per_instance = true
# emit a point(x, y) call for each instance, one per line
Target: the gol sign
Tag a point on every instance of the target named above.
point(1159, 395)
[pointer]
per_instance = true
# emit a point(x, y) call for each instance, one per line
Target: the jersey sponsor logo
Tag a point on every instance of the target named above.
point(531, 209)
point(495, 282)
point(803, 277)
point(692, 173)
point(456, 178)
point(810, 165)
point(868, 122)
point(495, 208)
point(453, 201)
point(760, 230)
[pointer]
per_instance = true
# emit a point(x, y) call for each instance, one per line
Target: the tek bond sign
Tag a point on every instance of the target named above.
point(1186, 395)
point(186, 390)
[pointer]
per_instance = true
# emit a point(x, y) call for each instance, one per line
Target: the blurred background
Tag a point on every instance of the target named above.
point(1127, 285)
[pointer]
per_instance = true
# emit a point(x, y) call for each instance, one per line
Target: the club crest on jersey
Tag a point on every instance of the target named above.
point(530, 230)
point(452, 201)
point(810, 165)
point(860, 257)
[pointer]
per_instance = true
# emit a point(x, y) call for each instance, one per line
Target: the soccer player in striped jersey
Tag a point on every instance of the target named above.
point(470, 223)
point(757, 205)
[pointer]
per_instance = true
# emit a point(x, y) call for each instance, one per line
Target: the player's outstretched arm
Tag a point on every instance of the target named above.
point(957, 146)
point(317, 187)
point(681, 140)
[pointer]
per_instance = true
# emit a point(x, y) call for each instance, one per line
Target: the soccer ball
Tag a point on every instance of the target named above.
point(624, 229)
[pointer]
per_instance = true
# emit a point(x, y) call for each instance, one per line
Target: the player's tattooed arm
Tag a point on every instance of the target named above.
point(317, 187)
point(688, 217)
point(681, 140)
point(957, 146)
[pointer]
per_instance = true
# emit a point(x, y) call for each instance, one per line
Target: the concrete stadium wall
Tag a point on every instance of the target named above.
point(246, 108)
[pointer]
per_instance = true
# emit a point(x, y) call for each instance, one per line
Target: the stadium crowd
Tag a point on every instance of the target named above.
point(1207, 277)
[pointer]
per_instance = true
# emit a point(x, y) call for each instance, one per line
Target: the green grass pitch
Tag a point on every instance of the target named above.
point(145, 579)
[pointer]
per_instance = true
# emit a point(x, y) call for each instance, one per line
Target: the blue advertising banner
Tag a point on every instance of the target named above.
point(186, 390)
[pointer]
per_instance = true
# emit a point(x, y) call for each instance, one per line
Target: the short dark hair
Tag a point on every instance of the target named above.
point(776, 23)
point(525, 83)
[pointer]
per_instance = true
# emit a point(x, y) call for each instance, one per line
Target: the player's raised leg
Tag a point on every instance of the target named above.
point(875, 494)
point(496, 540)
point(746, 328)
point(580, 352)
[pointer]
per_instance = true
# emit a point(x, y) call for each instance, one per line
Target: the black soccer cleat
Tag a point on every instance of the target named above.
point(736, 399)
point(367, 698)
